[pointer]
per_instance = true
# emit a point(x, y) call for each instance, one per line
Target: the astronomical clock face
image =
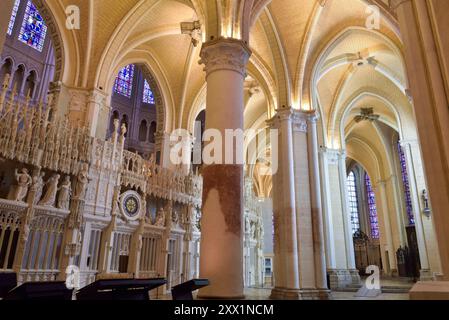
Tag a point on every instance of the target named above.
point(130, 205)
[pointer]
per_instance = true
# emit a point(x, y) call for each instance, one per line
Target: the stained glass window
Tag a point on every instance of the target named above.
point(13, 16)
point(148, 96)
point(353, 203)
point(405, 180)
point(374, 222)
point(124, 81)
point(33, 29)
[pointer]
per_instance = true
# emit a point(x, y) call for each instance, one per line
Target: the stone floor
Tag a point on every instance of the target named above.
point(394, 289)
point(264, 294)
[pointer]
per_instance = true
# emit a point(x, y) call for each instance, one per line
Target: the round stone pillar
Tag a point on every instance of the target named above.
point(221, 259)
point(286, 263)
point(315, 195)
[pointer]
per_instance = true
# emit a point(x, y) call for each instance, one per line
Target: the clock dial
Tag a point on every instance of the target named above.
point(130, 205)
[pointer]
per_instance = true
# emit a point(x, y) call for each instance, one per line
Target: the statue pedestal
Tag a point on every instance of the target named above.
point(430, 290)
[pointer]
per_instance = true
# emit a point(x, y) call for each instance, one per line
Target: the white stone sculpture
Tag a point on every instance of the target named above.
point(81, 182)
point(65, 191)
point(193, 219)
point(175, 217)
point(160, 218)
point(49, 198)
point(37, 186)
point(23, 182)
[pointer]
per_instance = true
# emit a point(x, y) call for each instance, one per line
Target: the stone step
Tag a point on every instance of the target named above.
point(396, 289)
point(384, 289)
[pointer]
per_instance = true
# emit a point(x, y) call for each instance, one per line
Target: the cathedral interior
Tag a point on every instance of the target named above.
point(342, 174)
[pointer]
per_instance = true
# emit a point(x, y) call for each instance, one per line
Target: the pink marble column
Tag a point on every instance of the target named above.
point(221, 259)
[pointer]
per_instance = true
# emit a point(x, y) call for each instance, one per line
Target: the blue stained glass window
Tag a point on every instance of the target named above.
point(33, 29)
point(374, 222)
point(124, 81)
point(406, 182)
point(13, 17)
point(353, 203)
point(148, 96)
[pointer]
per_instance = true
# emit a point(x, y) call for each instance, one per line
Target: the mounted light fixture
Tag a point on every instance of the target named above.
point(425, 199)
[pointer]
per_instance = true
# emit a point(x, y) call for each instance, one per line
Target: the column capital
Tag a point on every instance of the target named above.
point(225, 54)
point(334, 155)
point(314, 116)
point(299, 118)
point(411, 142)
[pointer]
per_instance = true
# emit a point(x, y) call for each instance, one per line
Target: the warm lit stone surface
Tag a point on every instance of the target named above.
point(430, 290)
point(228, 181)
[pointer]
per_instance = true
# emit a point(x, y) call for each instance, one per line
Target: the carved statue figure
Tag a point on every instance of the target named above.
point(23, 182)
point(193, 219)
point(65, 191)
point(247, 225)
point(81, 182)
point(253, 230)
point(175, 217)
point(37, 186)
point(160, 218)
point(49, 198)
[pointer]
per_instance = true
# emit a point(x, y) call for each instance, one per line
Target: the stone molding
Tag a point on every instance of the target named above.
point(333, 155)
point(225, 54)
point(300, 119)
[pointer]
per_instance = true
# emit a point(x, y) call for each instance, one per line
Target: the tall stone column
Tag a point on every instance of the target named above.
point(338, 237)
point(284, 211)
point(5, 16)
point(330, 246)
point(386, 229)
point(425, 231)
point(221, 226)
point(350, 254)
point(424, 27)
point(299, 247)
point(317, 212)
